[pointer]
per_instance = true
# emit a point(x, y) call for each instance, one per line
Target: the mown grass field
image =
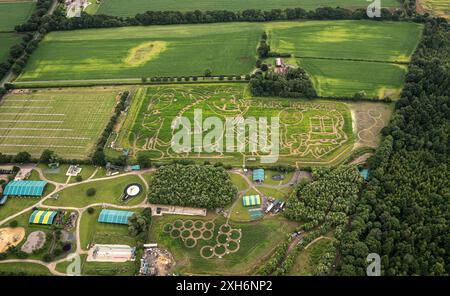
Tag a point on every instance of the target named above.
point(258, 240)
point(6, 41)
point(182, 50)
point(346, 57)
point(107, 191)
point(14, 13)
point(345, 78)
point(144, 52)
point(310, 132)
point(68, 121)
point(132, 7)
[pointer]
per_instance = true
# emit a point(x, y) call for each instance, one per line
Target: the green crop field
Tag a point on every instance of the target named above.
point(358, 40)
point(6, 41)
point(14, 13)
point(340, 56)
point(315, 132)
point(133, 7)
point(145, 51)
point(68, 121)
point(182, 50)
point(345, 78)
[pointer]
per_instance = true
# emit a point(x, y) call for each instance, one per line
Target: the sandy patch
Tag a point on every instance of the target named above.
point(35, 241)
point(144, 52)
point(10, 237)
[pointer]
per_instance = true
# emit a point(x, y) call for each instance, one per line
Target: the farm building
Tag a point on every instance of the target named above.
point(114, 216)
point(25, 188)
point(258, 175)
point(42, 217)
point(251, 200)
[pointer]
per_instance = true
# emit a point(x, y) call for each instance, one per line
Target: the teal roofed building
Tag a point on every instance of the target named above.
point(114, 216)
point(258, 175)
point(25, 188)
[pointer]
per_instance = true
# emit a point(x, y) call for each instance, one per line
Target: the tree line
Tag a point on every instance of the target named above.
point(403, 213)
point(58, 21)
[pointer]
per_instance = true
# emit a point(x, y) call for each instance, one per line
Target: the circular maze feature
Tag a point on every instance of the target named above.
point(190, 242)
point(185, 234)
point(233, 246)
point(167, 228)
point(199, 224)
point(175, 233)
point(207, 252)
point(220, 250)
point(235, 234)
point(222, 238)
point(225, 228)
point(178, 224)
point(188, 224)
point(209, 225)
point(196, 234)
point(207, 234)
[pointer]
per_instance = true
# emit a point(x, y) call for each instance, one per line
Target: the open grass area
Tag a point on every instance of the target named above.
point(356, 40)
point(282, 193)
point(258, 239)
point(132, 7)
point(307, 260)
point(7, 40)
point(269, 174)
point(310, 131)
point(107, 191)
point(239, 182)
point(131, 52)
point(15, 204)
point(67, 121)
point(93, 232)
point(347, 57)
point(23, 269)
point(345, 78)
point(14, 13)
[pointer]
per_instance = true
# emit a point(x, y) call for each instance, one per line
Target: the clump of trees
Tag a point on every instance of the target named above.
point(295, 83)
point(139, 224)
point(403, 213)
point(327, 200)
point(192, 185)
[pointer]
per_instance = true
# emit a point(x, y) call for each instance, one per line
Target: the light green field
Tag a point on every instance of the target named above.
point(145, 51)
point(436, 7)
point(357, 40)
point(6, 41)
point(67, 121)
point(132, 7)
point(14, 13)
point(345, 78)
point(257, 241)
point(318, 132)
point(24, 269)
point(108, 191)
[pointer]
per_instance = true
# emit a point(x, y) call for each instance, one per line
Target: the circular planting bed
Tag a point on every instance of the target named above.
point(168, 228)
point(190, 242)
point(235, 234)
point(232, 246)
point(220, 250)
point(185, 234)
point(207, 234)
point(175, 233)
point(209, 225)
point(199, 224)
point(207, 252)
point(225, 228)
point(188, 224)
point(222, 238)
point(178, 224)
point(196, 234)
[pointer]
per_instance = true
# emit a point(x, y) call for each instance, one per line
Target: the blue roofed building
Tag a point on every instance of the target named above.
point(114, 216)
point(25, 188)
point(258, 175)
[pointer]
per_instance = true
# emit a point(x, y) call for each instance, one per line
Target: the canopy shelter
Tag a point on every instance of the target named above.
point(114, 216)
point(42, 217)
point(25, 188)
point(251, 200)
point(258, 175)
point(364, 173)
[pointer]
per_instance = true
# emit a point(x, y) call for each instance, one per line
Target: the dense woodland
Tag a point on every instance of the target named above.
point(192, 185)
point(295, 83)
point(403, 215)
